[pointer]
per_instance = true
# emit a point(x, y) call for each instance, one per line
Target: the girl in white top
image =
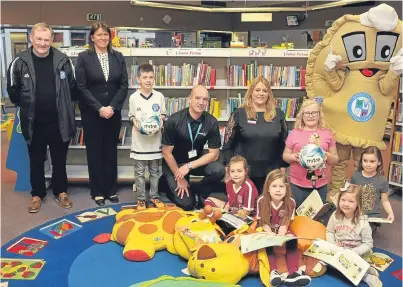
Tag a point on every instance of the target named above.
point(349, 228)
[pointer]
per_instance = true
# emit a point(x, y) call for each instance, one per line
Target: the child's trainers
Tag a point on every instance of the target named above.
point(275, 278)
point(298, 278)
point(371, 270)
point(141, 204)
point(372, 280)
point(157, 202)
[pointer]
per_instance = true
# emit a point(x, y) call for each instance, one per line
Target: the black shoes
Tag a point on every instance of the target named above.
point(114, 199)
point(100, 201)
point(298, 278)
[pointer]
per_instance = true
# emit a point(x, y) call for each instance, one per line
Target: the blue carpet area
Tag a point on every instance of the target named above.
point(76, 261)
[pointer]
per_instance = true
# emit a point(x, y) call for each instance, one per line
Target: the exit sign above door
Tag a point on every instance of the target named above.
point(93, 17)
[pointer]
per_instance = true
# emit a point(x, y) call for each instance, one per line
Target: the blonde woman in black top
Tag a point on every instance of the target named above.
point(257, 131)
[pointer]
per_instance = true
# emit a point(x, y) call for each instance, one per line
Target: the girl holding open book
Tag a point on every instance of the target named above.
point(309, 128)
point(275, 210)
point(241, 191)
point(349, 228)
point(373, 184)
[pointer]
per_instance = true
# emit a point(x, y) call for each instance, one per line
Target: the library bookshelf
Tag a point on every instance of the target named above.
point(233, 71)
point(396, 150)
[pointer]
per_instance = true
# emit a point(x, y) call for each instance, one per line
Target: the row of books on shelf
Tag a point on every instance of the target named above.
point(174, 105)
point(395, 172)
point(184, 75)
point(399, 113)
point(278, 76)
point(289, 106)
point(188, 75)
point(79, 139)
point(397, 142)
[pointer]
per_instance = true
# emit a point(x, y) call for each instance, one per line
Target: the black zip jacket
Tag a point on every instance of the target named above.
point(21, 83)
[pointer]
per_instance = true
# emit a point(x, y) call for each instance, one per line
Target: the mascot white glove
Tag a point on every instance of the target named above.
point(331, 61)
point(396, 62)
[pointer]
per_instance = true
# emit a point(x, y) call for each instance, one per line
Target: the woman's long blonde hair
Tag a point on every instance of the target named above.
point(270, 112)
point(299, 122)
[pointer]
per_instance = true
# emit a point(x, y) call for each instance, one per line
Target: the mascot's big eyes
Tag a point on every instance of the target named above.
point(354, 43)
point(385, 46)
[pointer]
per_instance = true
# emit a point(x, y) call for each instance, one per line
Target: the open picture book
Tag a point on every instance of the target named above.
point(349, 263)
point(378, 260)
point(258, 240)
point(235, 220)
point(379, 220)
point(313, 206)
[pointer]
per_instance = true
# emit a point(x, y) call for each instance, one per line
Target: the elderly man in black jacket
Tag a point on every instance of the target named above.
point(41, 82)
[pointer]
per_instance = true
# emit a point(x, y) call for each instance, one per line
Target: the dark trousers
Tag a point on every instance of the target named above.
point(213, 173)
point(101, 139)
point(44, 135)
point(301, 193)
point(259, 183)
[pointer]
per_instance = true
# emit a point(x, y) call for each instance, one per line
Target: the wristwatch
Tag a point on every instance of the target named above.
point(189, 165)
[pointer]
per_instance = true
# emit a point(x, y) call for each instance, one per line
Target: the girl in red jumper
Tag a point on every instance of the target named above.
point(275, 210)
point(241, 191)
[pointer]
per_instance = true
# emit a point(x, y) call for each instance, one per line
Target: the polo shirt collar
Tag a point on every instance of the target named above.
point(190, 119)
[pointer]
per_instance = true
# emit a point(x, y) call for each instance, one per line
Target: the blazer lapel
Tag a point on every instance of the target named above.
point(97, 64)
point(111, 61)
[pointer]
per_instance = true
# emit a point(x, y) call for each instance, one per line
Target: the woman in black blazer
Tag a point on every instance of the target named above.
point(102, 79)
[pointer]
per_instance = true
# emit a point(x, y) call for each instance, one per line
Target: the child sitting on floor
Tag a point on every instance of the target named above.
point(348, 228)
point(241, 191)
point(275, 210)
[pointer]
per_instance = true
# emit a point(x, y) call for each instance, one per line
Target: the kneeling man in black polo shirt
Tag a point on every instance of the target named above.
point(185, 134)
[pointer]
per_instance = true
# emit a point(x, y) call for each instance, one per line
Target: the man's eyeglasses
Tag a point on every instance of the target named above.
point(311, 114)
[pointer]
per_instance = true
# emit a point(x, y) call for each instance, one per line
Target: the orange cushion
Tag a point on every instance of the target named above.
point(305, 227)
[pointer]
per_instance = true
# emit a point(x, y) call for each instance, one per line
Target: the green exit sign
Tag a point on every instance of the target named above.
point(93, 17)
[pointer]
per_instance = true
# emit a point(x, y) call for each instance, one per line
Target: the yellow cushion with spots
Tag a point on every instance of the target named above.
point(146, 231)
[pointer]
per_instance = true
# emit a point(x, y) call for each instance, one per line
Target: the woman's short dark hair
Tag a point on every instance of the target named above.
point(100, 25)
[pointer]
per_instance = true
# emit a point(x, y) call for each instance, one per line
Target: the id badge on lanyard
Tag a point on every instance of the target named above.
point(193, 153)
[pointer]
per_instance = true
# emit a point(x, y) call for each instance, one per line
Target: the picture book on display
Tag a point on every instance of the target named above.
point(312, 206)
point(234, 220)
point(379, 220)
point(349, 263)
point(195, 235)
point(378, 260)
point(258, 240)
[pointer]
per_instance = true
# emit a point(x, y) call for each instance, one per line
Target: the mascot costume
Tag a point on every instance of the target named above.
point(356, 68)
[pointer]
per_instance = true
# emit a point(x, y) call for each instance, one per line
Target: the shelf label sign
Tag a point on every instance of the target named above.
point(296, 53)
point(184, 52)
point(257, 52)
point(93, 17)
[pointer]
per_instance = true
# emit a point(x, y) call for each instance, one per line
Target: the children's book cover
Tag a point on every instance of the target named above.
point(96, 214)
point(60, 229)
point(27, 246)
point(21, 269)
point(349, 263)
point(195, 235)
point(258, 240)
point(379, 261)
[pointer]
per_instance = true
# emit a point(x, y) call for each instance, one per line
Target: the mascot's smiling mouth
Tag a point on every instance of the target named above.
point(369, 72)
